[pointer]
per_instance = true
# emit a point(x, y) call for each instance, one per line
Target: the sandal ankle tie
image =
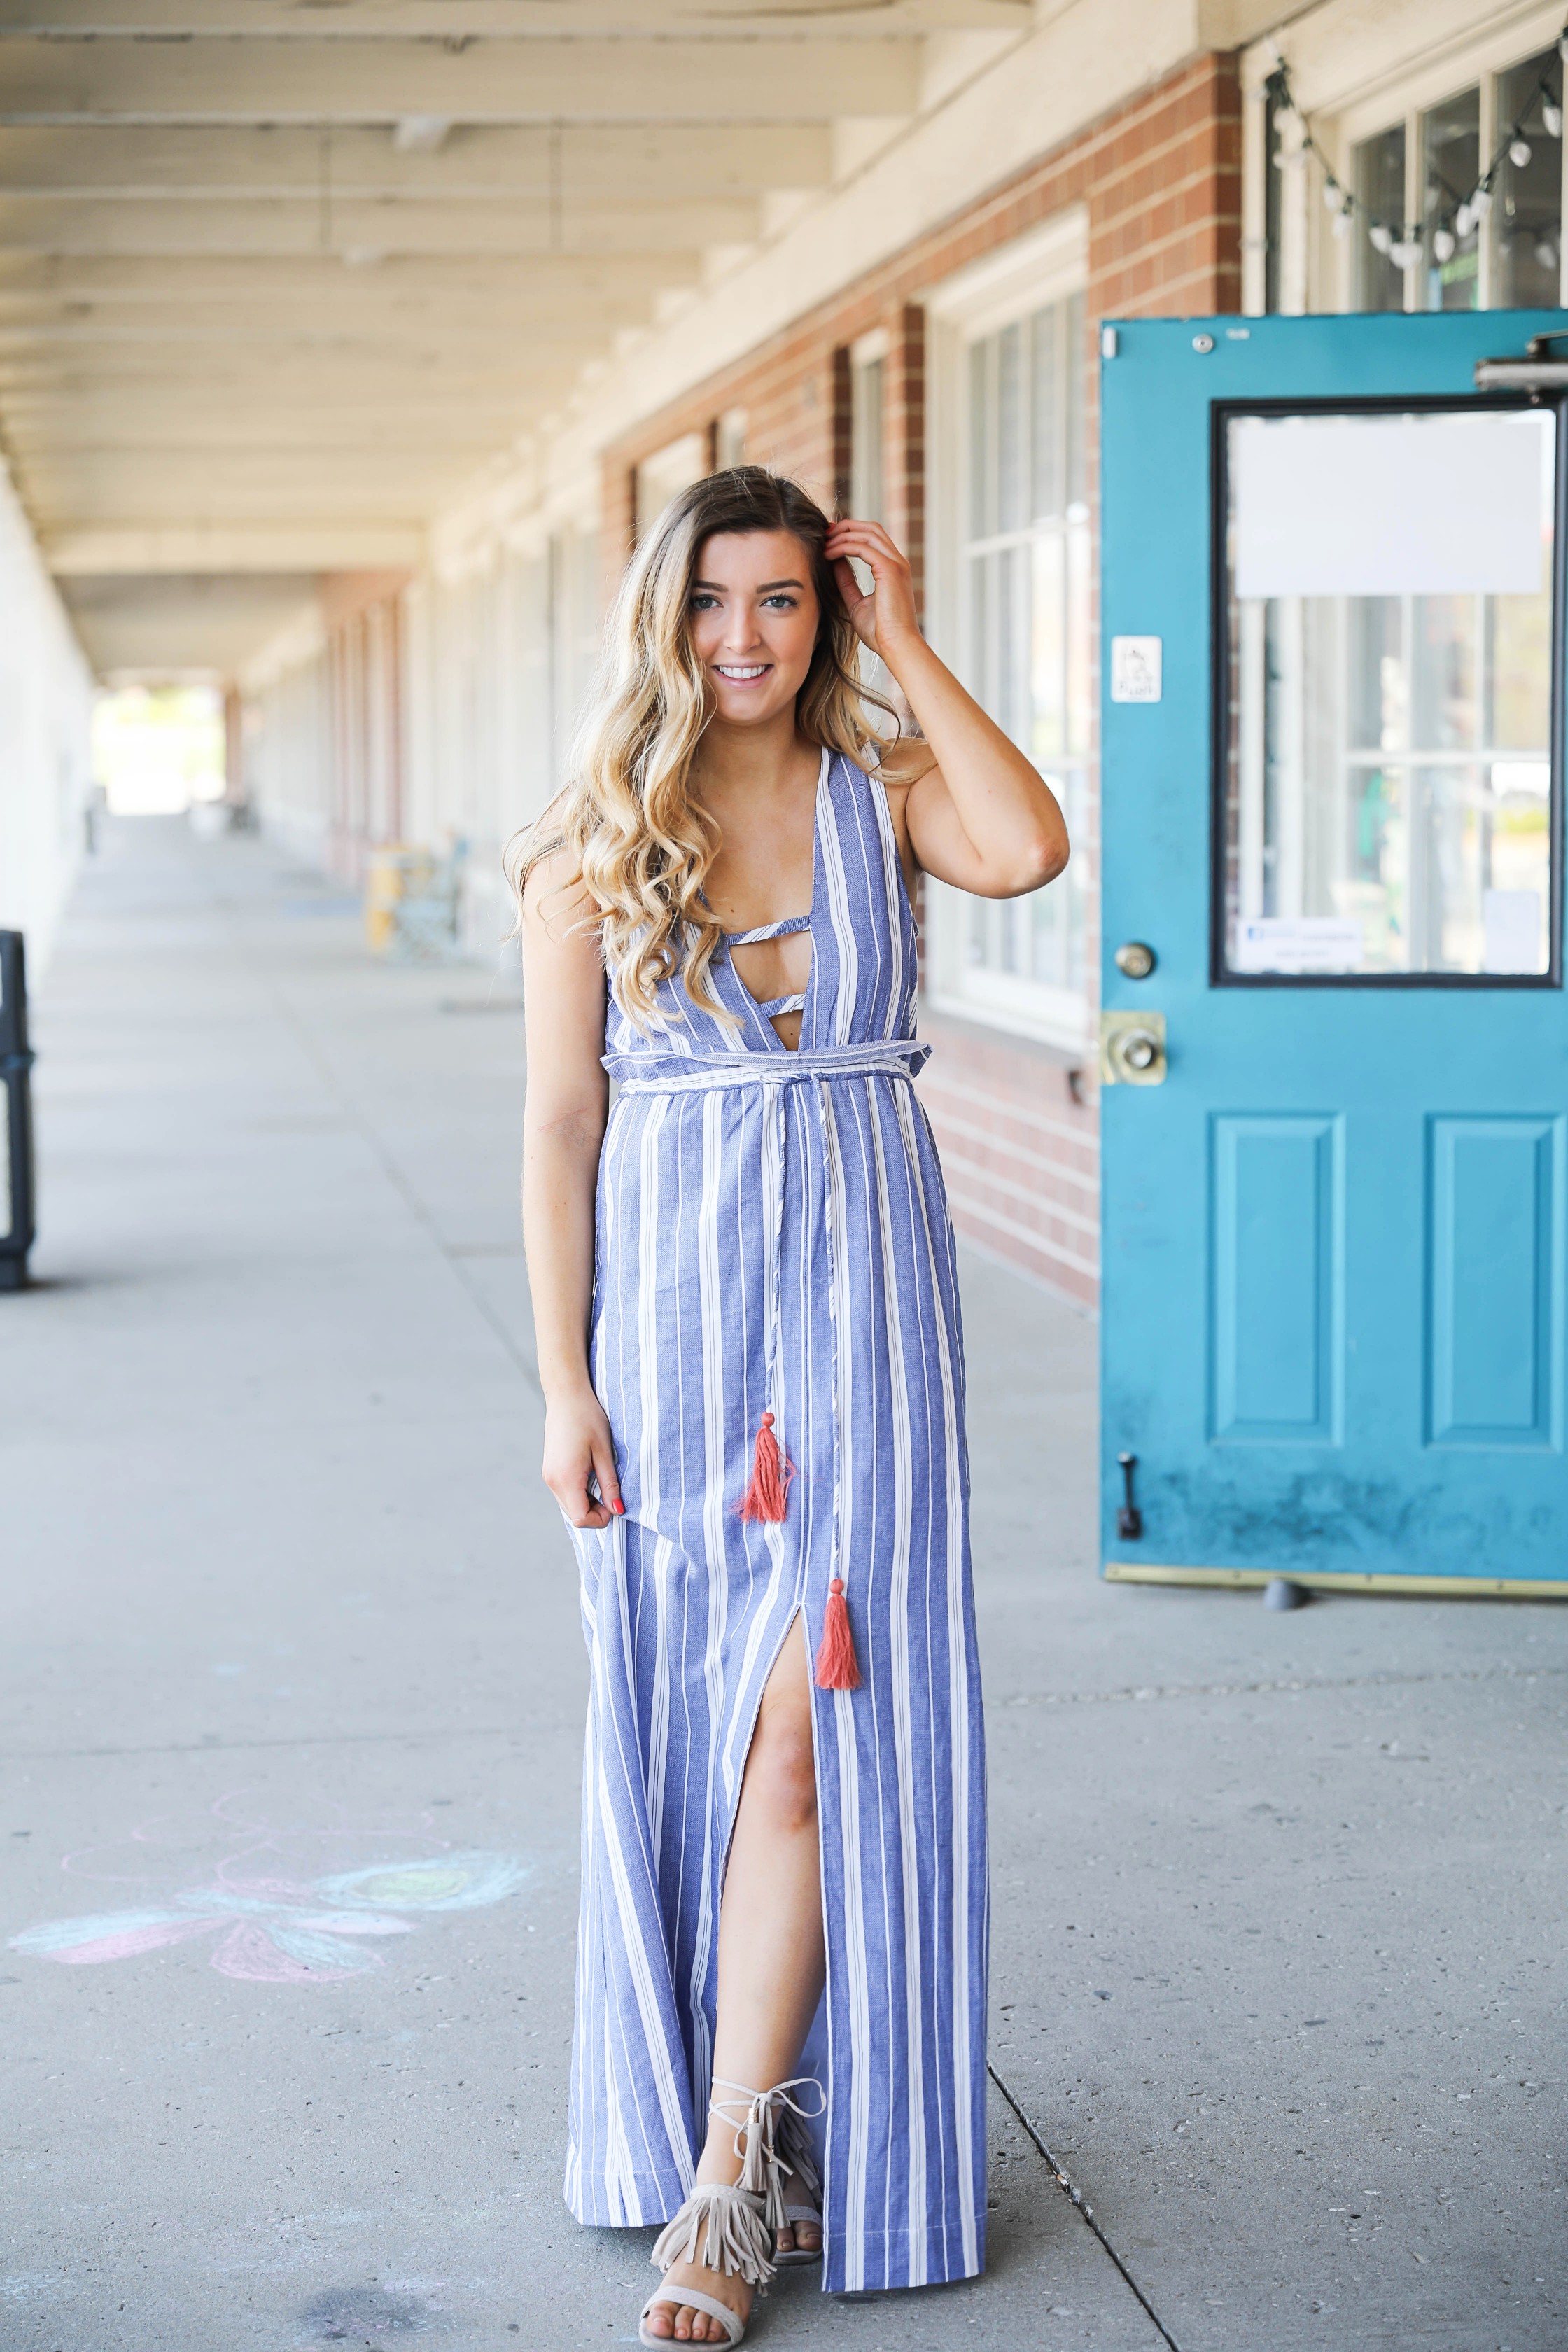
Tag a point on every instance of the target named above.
point(772, 2142)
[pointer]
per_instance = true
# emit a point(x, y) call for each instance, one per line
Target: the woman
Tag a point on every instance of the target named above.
point(750, 1349)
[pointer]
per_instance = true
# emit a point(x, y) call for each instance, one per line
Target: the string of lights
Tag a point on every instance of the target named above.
point(1452, 216)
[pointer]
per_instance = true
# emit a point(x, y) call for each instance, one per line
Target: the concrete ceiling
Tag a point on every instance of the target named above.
point(182, 624)
point(279, 278)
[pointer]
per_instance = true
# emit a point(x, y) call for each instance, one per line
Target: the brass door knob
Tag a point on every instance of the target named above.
point(1132, 1049)
point(1135, 959)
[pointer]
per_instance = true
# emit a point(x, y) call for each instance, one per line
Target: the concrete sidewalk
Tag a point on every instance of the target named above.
point(293, 1687)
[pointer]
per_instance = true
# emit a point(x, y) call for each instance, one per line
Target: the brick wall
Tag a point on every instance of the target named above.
point(362, 613)
point(1161, 181)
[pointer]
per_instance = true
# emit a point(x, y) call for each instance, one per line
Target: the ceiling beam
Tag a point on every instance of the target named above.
point(479, 161)
point(323, 279)
point(370, 232)
point(518, 399)
point(262, 510)
point(178, 624)
point(146, 431)
point(433, 328)
point(229, 481)
point(305, 361)
point(233, 78)
point(233, 547)
point(471, 19)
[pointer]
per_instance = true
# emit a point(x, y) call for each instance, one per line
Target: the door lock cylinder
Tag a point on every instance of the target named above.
point(1132, 1049)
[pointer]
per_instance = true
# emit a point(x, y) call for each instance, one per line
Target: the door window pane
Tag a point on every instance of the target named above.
point(1451, 163)
point(1380, 186)
point(1027, 610)
point(1388, 766)
point(1527, 219)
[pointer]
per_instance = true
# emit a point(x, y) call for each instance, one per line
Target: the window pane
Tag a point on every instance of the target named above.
point(866, 481)
point(1013, 642)
point(1388, 794)
point(1451, 163)
point(1011, 451)
point(1072, 336)
point(1380, 185)
point(1046, 403)
point(1080, 651)
point(1027, 616)
point(1443, 700)
point(982, 494)
point(981, 631)
point(1527, 219)
point(1274, 206)
point(1051, 950)
point(1048, 733)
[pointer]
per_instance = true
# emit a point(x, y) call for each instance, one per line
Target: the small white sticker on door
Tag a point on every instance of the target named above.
point(1135, 669)
point(1298, 943)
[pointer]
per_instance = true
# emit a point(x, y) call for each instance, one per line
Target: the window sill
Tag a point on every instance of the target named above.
point(1053, 1020)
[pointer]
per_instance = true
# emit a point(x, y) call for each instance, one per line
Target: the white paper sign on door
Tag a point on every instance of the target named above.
point(1392, 506)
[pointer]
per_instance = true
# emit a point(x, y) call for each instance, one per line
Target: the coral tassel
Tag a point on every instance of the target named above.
point(838, 1667)
point(767, 1495)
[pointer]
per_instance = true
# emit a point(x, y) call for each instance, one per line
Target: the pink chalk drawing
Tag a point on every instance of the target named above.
point(275, 1924)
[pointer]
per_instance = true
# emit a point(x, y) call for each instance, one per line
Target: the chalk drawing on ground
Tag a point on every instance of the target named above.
point(277, 1916)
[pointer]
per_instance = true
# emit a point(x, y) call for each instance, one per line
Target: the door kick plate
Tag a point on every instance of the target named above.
point(1132, 1049)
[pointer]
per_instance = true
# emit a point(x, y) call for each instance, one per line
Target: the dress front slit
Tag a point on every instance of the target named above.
point(772, 1235)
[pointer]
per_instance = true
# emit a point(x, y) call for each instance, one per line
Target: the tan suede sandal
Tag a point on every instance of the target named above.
point(727, 2223)
point(774, 2143)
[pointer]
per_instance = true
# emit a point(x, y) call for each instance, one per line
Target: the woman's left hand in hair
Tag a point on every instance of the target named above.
point(976, 812)
point(886, 614)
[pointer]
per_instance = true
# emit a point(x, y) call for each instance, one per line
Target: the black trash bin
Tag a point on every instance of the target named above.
point(16, 1140)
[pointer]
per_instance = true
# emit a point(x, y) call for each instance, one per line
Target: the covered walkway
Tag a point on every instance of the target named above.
point(293, 1686)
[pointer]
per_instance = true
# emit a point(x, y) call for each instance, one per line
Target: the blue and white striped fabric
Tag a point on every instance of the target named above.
point(773, 1233)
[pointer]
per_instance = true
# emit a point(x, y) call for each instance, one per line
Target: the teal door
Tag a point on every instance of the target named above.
point(1334, 1042)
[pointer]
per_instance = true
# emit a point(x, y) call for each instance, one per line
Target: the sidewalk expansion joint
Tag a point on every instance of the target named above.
point(1084, 2212)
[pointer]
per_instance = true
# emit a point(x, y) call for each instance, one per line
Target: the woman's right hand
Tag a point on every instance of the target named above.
point(577, 1445)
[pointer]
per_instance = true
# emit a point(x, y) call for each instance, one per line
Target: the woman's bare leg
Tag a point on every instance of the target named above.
point(770, 1957)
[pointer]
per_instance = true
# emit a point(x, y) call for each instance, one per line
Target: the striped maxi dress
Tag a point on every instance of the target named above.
point(774, 1235)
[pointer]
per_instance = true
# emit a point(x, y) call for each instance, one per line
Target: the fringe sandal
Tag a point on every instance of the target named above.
point(735, 2239)
point(772, 2141)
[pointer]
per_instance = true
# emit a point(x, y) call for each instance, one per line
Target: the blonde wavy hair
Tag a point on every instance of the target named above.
point(641, 846)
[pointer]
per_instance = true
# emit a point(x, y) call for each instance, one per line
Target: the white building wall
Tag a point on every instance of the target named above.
point(499, 654)
point(45, 740)
point(288, 745)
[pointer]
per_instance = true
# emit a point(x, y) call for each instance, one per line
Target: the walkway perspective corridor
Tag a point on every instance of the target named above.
point(292, 1696)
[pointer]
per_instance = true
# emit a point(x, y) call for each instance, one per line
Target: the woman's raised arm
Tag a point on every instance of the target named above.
point(982, 817)
point(563, 1129)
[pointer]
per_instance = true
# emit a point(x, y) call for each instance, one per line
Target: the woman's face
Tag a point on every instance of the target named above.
point(753, 618)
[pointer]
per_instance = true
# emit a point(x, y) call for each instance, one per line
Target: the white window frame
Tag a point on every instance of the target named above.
point(1353, 78)
point(1045, 266)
